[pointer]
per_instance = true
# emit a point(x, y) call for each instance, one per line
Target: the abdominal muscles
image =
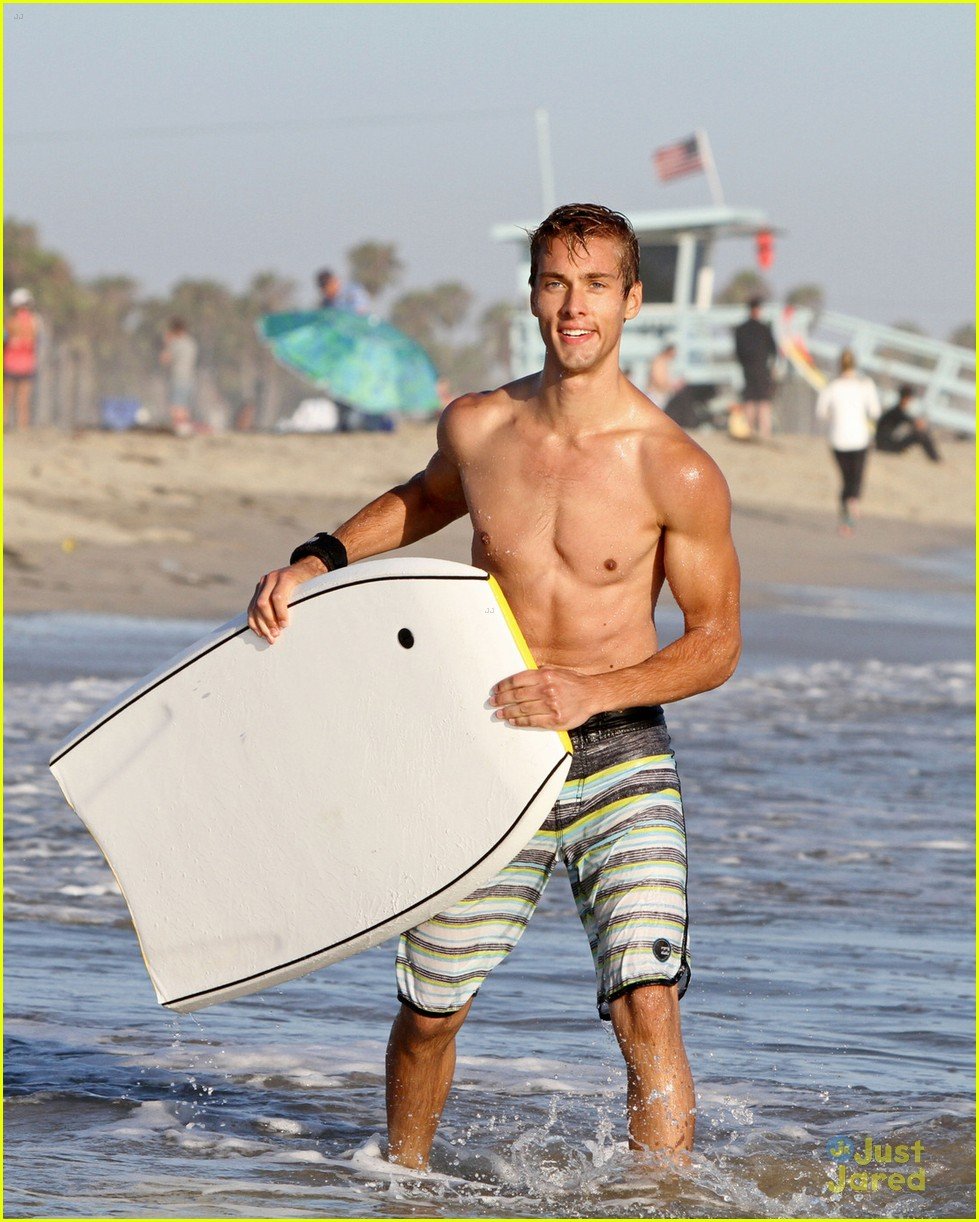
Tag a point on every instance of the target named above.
point(570, 616)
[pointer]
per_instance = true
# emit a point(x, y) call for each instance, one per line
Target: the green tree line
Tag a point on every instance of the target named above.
point(102, 337)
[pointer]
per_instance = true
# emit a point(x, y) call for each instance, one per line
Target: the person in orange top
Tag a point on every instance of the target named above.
point(20, 336)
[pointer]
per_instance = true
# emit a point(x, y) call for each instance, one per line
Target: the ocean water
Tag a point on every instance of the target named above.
point(829, 798)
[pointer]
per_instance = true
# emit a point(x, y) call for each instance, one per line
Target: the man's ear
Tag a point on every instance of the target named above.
point(633, 300)
point(533, 300)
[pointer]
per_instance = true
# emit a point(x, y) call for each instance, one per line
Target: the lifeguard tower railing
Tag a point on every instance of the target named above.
point(676, 267)
point(942, 375)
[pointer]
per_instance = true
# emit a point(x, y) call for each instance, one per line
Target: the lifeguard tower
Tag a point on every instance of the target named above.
point(676, 266)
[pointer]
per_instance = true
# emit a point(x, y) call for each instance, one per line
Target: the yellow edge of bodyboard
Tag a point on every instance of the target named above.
point(522, 645)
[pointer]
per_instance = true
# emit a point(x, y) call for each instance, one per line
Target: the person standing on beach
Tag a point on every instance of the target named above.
point(179, 358)
point(755, 348)
point(584, 498)
point(352, 298)
point(848, 405)
point(334, 294)
point(21, 334)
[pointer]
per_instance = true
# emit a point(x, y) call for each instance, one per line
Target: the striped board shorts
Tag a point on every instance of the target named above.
point(618, 827)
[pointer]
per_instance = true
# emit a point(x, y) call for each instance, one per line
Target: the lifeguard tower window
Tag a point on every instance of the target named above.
point(657, 270)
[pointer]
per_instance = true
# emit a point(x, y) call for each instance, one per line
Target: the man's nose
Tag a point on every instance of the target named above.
point(574, 300)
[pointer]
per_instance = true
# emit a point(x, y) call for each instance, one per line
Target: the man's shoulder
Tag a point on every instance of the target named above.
point(671, 447)
point(680, 472)
point(471, 418)
point(485, 408)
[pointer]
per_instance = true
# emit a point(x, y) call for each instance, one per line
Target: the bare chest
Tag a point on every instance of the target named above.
point(586, 508)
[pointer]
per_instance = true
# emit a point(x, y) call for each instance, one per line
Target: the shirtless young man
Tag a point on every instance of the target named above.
point(584, 497)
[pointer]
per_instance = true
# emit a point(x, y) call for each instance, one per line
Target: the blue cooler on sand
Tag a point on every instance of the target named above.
point(120, 414)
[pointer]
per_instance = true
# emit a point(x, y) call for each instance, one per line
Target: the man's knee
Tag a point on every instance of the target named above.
point(646, 1013)
point(427, 1032)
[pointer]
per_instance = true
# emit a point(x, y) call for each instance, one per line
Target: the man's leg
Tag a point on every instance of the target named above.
point(624, 845)
point(440, 965)
point(661, 1100)
point(421, 1059)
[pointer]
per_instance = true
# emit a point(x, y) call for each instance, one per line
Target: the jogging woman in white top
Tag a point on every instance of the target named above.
point(849, 404)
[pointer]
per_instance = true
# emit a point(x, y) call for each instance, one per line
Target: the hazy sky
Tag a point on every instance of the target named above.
point(171, 141)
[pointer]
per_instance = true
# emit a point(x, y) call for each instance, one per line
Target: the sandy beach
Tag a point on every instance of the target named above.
point(148, 524)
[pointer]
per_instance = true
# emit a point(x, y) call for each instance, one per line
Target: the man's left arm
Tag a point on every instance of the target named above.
point(702, 568)
point(703, 572)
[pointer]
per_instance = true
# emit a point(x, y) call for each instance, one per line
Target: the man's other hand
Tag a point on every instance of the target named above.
point(551, 698)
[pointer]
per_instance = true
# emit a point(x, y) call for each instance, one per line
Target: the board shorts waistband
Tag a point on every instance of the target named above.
point(607, 725)
point(637, 731)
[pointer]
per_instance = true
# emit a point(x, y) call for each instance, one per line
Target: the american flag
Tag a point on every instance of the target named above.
point(675, 160)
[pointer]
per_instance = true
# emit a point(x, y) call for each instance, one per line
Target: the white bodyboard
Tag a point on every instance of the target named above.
point(269, 810)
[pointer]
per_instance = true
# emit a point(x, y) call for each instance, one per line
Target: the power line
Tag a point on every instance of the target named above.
point(250, 126)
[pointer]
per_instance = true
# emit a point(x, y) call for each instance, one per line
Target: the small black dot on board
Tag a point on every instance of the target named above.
point(406, 638)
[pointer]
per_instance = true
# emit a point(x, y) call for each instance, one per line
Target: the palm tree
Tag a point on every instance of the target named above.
point(494, 327)
point(742, 287)
point(48, 275)
point(414, 313)
point(375, 265)
point(806, 297)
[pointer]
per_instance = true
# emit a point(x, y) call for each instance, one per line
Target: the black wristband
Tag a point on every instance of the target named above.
point(324, 547)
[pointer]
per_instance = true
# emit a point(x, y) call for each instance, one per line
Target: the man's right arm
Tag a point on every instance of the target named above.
point(428, 501)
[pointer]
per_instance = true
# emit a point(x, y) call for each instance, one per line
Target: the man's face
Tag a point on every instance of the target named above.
point(578, 302)
point(329, 287)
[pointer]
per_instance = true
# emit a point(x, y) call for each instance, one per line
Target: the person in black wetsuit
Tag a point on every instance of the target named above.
point(755, 348)
point(898, 430)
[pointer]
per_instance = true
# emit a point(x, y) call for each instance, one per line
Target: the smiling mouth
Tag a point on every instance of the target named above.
point(574, 333)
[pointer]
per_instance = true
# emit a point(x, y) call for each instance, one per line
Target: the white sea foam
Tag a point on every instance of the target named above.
point(281, 1124)
point(215, 1145)
point(302, 1156)
point(96, 889)
point(258, 1067)
point(151, 1116)
point(871, 681)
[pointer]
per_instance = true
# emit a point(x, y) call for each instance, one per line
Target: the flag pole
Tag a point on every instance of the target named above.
point(710, 169)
